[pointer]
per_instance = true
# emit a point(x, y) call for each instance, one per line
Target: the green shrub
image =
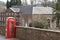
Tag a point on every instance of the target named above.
point(30, 25)
point(38, 24)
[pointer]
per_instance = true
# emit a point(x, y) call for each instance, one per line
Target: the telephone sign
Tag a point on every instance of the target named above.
point(10, 27)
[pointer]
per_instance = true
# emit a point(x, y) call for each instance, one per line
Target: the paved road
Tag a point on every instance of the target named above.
point(3, 38)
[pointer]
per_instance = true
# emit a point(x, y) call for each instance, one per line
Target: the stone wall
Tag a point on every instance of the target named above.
point(44, 19)
point(27, 33)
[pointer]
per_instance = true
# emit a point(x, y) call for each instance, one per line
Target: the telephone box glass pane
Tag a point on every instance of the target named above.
point(11, 28)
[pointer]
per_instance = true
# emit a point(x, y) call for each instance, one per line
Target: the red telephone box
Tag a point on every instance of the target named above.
point(10, 27)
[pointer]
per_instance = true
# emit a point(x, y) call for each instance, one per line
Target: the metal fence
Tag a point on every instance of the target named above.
point(3, 17)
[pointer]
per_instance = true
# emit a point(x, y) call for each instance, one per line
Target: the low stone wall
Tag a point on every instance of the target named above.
point(27, 33)
point(2, 30)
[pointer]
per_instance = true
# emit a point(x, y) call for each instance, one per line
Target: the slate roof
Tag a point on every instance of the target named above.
point(42, 10)
point(24, 9)
point(27, 9)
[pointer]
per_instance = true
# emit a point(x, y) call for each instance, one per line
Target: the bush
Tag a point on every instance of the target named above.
point(30, 25)
point(38, 24)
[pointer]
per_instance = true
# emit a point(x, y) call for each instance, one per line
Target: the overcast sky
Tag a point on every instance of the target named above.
point(3, 0)
point(6, 0)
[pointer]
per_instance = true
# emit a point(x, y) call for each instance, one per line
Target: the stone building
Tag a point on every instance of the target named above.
point(25, 13)
point(12, 12)
point(43, 14)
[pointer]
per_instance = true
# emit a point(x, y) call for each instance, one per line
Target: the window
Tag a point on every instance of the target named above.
point(17, 21)
point(17, 18)
point(57, 22)
point(48, 22)
point(11, 28)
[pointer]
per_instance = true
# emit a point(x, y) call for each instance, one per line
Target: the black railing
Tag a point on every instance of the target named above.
point(3, 17)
